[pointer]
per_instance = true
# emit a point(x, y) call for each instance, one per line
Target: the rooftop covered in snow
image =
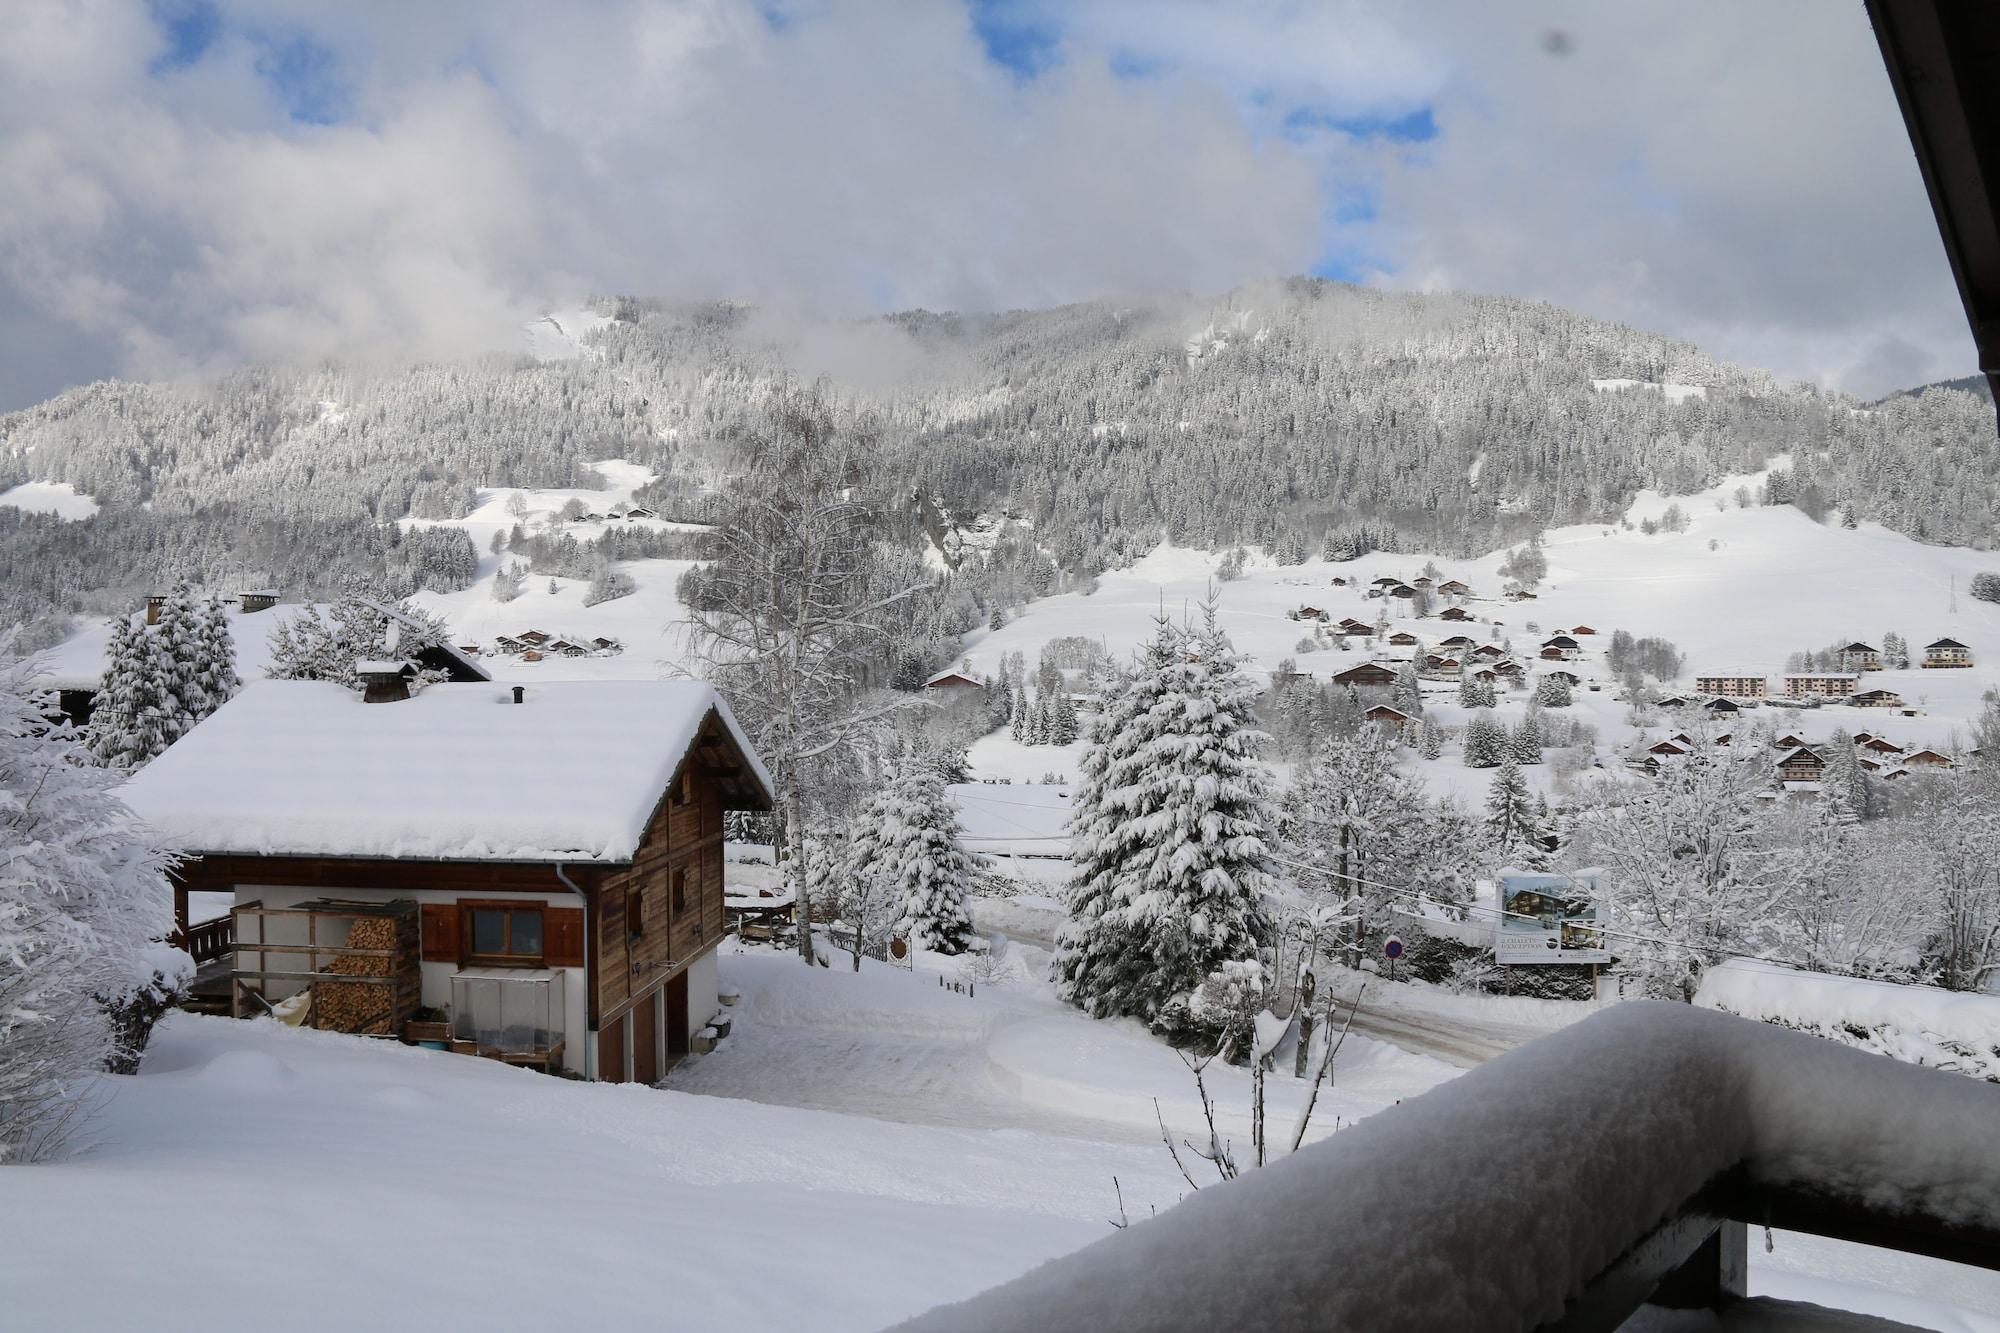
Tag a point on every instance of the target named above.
point(457, 772)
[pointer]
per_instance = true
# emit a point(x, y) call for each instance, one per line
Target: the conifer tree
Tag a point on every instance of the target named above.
point(1485, 741)
point(907, 839)
point(1409, 692)
point(177, 653)
point(1524, 745)
point(1553, 691)
point(1018, 725)
point(1063, 727)
point(1512, 824)
point(1170, 824)
point(216, 659)
point(128, 725)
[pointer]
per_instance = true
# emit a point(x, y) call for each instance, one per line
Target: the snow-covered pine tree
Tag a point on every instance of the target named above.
point(1408, 696)
point(216, 661)
point(1063, 724)
point(1486, 742)
point(1553, 691)
point(177, 652)
point(1169, 825)
point(1019, 724)
point(84, 898)
point(1430, 744)
point(1524, 743)
point(127, 727)
point(906, 840)
point(1468, 690)
point(356, 627)
point(1512, 823)
point(1844, 785)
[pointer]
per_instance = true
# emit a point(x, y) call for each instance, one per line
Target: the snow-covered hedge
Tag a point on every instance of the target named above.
point(1489, 1201)
point(1921, 1025)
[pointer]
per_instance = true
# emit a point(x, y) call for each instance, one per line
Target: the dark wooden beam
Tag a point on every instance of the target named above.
point(1943, 59)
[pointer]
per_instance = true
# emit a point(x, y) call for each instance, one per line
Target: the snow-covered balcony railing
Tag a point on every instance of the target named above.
point(1561, 1186)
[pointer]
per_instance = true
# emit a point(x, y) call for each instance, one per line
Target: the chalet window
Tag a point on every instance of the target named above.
point(506, 935)
point(635, 912)
point(680, 891)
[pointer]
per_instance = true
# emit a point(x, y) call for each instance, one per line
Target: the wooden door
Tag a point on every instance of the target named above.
point(646, 1040)
point(677, 1014)
point(611, 1052)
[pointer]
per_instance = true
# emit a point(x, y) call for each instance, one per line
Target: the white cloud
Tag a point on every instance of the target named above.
point(864, 156)
point(1735, 174)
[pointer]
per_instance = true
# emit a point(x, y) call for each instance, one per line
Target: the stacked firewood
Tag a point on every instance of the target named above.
point(360, 1007)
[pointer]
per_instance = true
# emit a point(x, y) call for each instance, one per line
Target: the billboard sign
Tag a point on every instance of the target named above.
point(1550, 919)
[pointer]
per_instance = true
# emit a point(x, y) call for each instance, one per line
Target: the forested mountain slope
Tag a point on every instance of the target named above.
point(1303, 416)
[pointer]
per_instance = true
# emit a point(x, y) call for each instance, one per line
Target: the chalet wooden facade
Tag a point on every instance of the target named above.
point(1371, 675)
point(565, 917)
point(1801, 765)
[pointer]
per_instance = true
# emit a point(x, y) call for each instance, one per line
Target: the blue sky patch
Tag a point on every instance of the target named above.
point(1021, 45)
point(190, 27)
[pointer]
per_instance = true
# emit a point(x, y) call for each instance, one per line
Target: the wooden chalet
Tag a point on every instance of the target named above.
point(1520, 595)
point(1392, 719)
point(1310, 613)
point(1403, 639)
point(1582, 630)
point(1365, 674)
point(1878, 745)
point(392, 862)
point(1562, 645)
point(1876, 699)
point(1455, 613)
point(1928, 759)
point(1507, 668)
point(1858, 656)
point(1353, 626)
point(1666, 748)
point(953, 680)
point(1801, 765)
point(253, 600)
point(1671, 701)
point(534, 638)
point(1722, 705)
point(1554, 655)
point(1567, 677)
point(1338, 581)
point(1403, 590)
point(1489, 651)
point(1456, 643)
point(1789, 741)
point(1454, 588)
point(1947, 653)
point(642, 511)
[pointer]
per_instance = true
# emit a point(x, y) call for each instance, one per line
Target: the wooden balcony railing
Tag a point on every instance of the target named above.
point(1614, 1164)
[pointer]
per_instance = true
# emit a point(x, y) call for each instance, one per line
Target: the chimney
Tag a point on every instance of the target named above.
point(384, 682)
point(520, 693)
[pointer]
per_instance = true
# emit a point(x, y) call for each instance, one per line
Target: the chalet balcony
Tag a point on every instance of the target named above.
point(1611, 1169)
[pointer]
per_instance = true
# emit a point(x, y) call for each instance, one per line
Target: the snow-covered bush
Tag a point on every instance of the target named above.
point(84, 900)
point(608, 584)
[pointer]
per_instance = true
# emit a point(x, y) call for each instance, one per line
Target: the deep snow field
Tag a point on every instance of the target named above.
point(860, 1148)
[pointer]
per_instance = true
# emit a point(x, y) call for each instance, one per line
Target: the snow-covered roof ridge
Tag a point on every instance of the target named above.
point(457, 772)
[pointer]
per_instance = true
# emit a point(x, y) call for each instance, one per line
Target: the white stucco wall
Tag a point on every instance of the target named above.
point(436, 976)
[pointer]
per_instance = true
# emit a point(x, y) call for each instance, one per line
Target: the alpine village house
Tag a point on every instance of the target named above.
point(532, 873)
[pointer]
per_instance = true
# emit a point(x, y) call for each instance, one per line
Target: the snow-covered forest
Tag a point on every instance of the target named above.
point(1302, 417)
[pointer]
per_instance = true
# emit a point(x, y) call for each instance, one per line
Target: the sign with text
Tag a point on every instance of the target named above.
point(1550, 919)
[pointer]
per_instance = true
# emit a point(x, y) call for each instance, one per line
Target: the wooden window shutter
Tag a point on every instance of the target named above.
point(440, 926)
point(562, 936)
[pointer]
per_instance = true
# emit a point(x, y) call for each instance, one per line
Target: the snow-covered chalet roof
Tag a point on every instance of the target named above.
point(456, 772)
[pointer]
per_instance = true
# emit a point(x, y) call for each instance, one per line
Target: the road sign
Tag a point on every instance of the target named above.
point(1392, 948)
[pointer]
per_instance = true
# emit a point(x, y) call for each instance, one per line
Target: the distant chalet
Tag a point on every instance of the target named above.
point(1947, 653)
point(546, 860)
